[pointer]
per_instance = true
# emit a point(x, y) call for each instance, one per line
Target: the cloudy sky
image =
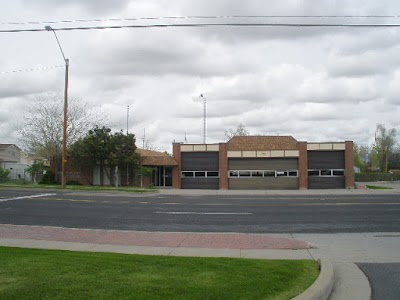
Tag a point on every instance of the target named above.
point(314, 83)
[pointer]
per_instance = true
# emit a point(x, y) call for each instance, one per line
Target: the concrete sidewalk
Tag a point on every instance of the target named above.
point(349, 281)
point(282, 246)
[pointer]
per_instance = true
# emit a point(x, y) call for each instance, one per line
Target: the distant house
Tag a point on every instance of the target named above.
point(10, 159)
point(30, 159)
point(10, 153)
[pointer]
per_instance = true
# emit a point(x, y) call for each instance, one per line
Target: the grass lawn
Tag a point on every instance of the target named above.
point(375, 187)
point(53, 274)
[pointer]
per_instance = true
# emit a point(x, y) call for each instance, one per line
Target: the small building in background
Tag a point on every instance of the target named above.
point(155, 170)
point(160, 164)
point(10, 159)
point(10, 153)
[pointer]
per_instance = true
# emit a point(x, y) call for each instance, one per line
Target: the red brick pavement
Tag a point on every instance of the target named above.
point(151, 239)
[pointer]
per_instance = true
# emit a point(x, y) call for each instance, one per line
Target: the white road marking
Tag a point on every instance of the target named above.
point(27, 197)
point(198, 213)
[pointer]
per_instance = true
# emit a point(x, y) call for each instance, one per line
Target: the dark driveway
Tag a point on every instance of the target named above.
point(384, 279)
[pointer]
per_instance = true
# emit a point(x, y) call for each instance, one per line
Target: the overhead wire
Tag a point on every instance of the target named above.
point(203, 25)
point(31, 69)
point(216, 24)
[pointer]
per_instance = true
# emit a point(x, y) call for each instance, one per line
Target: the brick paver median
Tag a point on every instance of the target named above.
point(151, 239)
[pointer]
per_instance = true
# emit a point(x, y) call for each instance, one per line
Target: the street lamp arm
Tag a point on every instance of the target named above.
point(49, 28)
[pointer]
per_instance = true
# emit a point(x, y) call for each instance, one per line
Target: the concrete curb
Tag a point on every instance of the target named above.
point(322, 287)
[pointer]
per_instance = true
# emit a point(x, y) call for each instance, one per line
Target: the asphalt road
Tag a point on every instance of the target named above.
point(217, 213)
point(384, 279)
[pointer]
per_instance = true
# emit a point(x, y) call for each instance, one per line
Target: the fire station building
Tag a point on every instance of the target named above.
point(263, 163)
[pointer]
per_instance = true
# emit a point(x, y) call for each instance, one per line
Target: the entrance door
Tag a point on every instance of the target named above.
point(162, 176)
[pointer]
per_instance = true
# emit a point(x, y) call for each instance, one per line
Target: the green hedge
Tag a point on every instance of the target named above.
point(374, 176)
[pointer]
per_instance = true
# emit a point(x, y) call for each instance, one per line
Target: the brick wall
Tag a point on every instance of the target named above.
point(349, 165)
point(176, 170)
point(303, 166)
point(223, 166)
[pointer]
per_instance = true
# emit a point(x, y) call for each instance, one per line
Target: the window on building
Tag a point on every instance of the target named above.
point(269, 173)
point(233, 173)
point(293, 173)
point(313, 172)
point(256, 173)
point(338, 172)
point(213, 174)
point(326, 172)
point(244, 173)
point(281, 173)
point(186, 174)
point(200, 174)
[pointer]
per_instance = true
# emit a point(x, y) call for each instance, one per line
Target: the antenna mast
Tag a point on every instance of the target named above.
point(127, 118)
point(144, 136)
point(205, 119)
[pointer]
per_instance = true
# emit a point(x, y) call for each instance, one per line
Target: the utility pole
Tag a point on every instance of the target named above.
point(386, 158)
point(127, 131)
point(65, 124)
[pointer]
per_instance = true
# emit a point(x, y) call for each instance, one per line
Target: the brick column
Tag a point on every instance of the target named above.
point(176, 170)
point(349, 165)
point(303, 166)
point(223, 166)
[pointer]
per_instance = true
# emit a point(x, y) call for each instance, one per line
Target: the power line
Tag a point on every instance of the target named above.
point(202, 17)
point(204, 25)
point(31, 70)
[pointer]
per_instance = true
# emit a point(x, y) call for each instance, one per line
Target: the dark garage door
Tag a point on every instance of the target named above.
point(323, 162)
point(261, 182)
point(200, 161)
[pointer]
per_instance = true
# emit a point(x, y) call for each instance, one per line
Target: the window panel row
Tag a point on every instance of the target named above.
point(200, 174)
point(262, 173)
point(326, 172)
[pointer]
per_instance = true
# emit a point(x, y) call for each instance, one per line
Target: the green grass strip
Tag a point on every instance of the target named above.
point(54, 274)
point(375, 187)
point(81, 188)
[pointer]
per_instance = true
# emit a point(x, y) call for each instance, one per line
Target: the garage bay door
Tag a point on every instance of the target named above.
point(326, 169)
point(263, 173)
point(200, 170)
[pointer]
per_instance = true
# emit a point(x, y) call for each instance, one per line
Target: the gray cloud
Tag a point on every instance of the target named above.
point(89, 6)
point(315, 84)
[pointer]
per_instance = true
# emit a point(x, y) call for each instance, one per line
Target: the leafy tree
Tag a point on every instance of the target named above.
point(4, 174)
point(102, 148)
point(34, 170)
point(123, 154)
point(361, 157)
point(92, 150)
point(239, 131)
point(385, 141)
point(48, 178)
point(394, 159)
point(145, 172)
point(41, 128)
